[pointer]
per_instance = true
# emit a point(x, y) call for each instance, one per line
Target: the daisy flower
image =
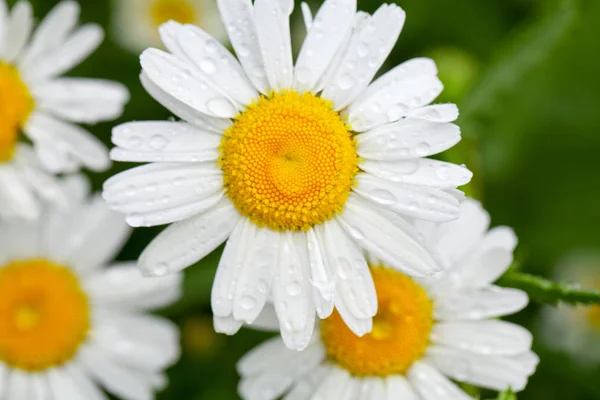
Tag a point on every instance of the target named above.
point(70, 321)
point(300, 168)
point(135, 22)
point(36, 103)
point(426, 331)
point(575, 330)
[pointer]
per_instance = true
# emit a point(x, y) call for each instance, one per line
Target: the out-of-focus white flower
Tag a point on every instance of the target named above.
point(425, 331)
point(299, 168)
point(36, 101)
point(575, 330)
point(71, 320)
point(135, 22)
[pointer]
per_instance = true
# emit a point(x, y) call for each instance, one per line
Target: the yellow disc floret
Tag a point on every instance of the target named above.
point(44, 315)
point(15, 106)
point(400, 334)
point(289, 161)
point(181, 11)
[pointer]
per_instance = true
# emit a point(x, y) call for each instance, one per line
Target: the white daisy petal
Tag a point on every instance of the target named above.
point(52, 31)
point(267, 319)
point(82, 100)
point(416, 201)
point(431, 385)
point(178, 191)
point(168, 35)
point(71, 141)
point(306, 16)
point(87, 387)
point(123, 286)
point(19, 240)
point(117, 379)
point(227, 325)
point(422, 171)
point(331, 26)
point(338, 384)
point(366, 52)
point(14, 191)
point(62, 386)
point(179, 79)
point(372, 388)
point(264, 356)
point(217, 63)
point(158, 141)
point(143, 341)
point(255, 278)
point(397, 387)
point(407, 139)
point(17, 385)
point(17, 29)
point(40, 387)
point(492, 372)
point(526, 362)
point(184, 243)
point(292, 293)
point(273, 33)
point(306, 386)
point(436, 113)
point(183, 111)
point(392, 241)
point(475, 304)
point(66, 56)
point(353, 278)
point(360, 326)
point(238, 16)
point(270, 386)
point(484, 337)
point(3, 18)
point(322, 275)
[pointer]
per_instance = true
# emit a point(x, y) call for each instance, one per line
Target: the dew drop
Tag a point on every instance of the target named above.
point(303, 75)
point(208, 66)
point(248, 302)
point(158, 142)
point(346, 81)
point(221, 107)
point(362, 50)
point(294, 288)
point(423, 149)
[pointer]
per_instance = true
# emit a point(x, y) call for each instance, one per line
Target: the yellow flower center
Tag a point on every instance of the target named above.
point(289, 161)
point(181, 11)
point(594, 316)
point(15, 106)
point(400, 332)
point(44, 315)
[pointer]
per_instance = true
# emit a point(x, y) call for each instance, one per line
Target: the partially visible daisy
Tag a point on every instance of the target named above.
point(72, 321)
point(299, 168)
point(135, 23)
point(575, 330)
point(40, 107)
point(425, 333)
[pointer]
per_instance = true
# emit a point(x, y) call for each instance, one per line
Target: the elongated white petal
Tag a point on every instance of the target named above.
point(388, 237)
point(436, 113)
point(397, 387)
point(292, 295)
point(365, 54)
point(430, 384)
point(305, 387)
point(238, 16)
point(273, 33)
point(227, 325)
point(353, 278)
point(254, 283)
point(322, 275)
point(75, 49)
point(475, 304)
point(421, 171)
point(88, 388)
point(82, 100)
point(186, 242)
point(407, 139)
point(326, 35)
point(483, 337)
point(165, 141)
point(492, 372)
point(179, 80)
point(183, 111)
point(217, 64)
point(17, 384)
point(263, 357)
point(3, 18)
point(416, 201)
point(306, 16)
point(338, 384)
point(52, 31)
point(360, 326)
point(17, 30)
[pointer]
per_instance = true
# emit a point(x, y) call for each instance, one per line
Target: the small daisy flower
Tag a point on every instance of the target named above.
point(70, 321)
point(575, 329)
point(299, 168)
point(37, 102)
point(426, 331)
point(135, 22)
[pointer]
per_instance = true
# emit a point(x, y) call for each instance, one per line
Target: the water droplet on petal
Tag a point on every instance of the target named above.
point(221, 107)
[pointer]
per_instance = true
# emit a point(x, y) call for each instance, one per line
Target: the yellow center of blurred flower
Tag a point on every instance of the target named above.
point(181, 11)
point(44, 315)
point(15, 106)
point(400, 332)
point(594, 316)
point(289, 161)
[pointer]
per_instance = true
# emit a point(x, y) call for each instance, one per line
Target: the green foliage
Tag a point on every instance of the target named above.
point(507, 395)
point(545, 291)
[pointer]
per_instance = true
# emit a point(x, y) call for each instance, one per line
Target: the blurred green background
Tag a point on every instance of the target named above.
point(526, 76)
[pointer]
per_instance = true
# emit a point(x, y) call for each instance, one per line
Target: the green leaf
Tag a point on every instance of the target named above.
point(528, 49)
point(507, 395)
point(545, 291)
